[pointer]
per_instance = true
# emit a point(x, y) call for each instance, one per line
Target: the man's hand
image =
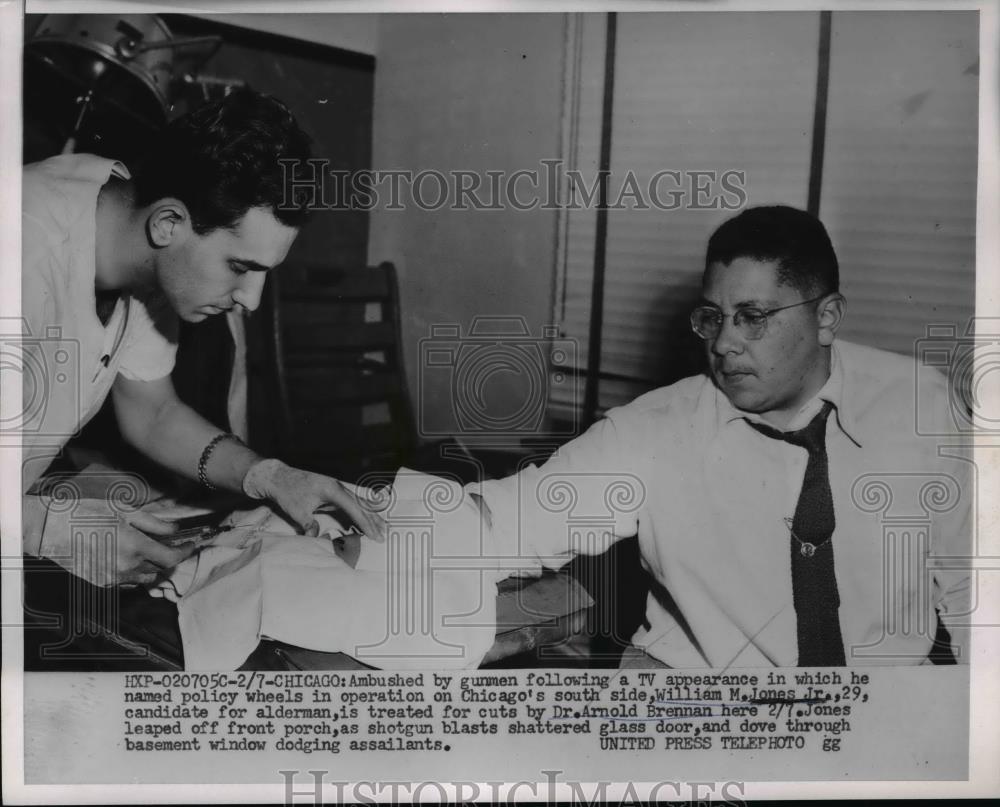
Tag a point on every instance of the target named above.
point(111, 548)
point(300, 493)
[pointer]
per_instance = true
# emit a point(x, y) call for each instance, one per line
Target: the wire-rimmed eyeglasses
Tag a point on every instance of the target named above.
point(706, 320)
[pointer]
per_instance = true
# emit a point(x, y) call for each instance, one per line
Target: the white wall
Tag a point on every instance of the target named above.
point(357, 32)
point(476, 92)
point(299, 19)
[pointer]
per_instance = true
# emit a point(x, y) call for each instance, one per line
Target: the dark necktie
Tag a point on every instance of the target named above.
point(814, 582)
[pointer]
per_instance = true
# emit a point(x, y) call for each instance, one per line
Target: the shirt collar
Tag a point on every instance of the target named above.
point(86, 167)
point(833, 391)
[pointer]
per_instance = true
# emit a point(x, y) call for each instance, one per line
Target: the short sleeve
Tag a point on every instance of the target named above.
point(38, 306)
point(151, 340)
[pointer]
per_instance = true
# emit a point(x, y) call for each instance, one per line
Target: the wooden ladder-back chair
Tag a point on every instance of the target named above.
point(340, 393)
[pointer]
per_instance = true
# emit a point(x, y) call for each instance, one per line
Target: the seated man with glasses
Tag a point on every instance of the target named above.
point(763, 492)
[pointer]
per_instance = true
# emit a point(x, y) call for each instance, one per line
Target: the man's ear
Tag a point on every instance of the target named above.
point(830, 314)
point(167, 222)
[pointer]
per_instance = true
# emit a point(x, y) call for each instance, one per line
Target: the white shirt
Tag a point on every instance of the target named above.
point(708, 496)
point(76, 358)
point(70, 359)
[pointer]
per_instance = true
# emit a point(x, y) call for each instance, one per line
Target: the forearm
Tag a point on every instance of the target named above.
point(176, 438)
point(154, 420)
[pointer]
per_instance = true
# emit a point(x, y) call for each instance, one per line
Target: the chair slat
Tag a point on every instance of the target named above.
point(311, 282)
point(312, 386)
point(344, 407)
point(337, 336)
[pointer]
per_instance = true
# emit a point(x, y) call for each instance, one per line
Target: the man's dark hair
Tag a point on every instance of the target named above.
point(222, 159)
point(797, 241)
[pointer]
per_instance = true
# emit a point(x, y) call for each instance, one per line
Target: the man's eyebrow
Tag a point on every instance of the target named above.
point(740, 304)
point(252, 265)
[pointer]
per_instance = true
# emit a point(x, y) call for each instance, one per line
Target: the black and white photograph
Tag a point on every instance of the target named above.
point(412, 403)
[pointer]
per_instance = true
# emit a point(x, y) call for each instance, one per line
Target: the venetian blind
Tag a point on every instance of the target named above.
point(737, 92)
point(899, 182)
point(694, 93)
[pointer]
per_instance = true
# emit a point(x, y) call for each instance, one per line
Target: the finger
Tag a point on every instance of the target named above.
point(303, 518)
point(165, 557)
point(376, 527)
point(368, 522)
point(139, 579)
point(379, 530)
point(169, 510)
point(149, 523)
point(138, 572)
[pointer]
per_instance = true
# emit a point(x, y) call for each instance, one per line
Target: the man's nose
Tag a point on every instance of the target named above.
point(729, 340)
point(248, 293)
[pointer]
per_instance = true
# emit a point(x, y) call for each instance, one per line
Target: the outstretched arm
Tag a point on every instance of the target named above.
point(154, 420)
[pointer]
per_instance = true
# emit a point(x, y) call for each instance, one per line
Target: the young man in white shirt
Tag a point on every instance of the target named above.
point(111, 261)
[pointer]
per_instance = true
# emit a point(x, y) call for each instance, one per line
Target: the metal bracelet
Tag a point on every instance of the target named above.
point(203, 462)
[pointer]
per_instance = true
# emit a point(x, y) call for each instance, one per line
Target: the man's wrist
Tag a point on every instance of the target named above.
point(257, 480)
point(206, 454)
